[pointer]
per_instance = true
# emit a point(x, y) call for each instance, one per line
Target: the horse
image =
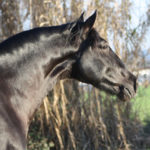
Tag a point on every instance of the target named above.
point(31, 62)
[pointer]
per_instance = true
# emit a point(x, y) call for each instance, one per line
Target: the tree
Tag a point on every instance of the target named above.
point(10, 18)
point(76, 116)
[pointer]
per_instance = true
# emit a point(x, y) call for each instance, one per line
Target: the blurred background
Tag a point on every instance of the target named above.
point(76, 116)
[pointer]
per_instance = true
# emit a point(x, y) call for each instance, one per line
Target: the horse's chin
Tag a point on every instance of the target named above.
point(123, 93)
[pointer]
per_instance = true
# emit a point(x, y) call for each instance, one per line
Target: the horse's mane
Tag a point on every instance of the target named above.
point(32, 35)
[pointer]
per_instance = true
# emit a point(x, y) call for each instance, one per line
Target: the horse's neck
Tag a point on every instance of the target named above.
point(37, 71)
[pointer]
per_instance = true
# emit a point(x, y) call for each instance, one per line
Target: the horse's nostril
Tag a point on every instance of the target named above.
point(123, 74)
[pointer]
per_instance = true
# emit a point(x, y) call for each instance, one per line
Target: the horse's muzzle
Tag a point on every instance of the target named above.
point(128, 90)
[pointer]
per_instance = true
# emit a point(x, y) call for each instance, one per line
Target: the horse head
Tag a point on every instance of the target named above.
point(97, 64)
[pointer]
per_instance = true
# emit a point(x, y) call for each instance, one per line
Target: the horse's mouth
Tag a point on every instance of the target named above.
point(125, 93)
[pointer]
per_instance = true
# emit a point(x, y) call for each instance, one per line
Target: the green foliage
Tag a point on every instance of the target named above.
point(37, 140)
point(141, 103)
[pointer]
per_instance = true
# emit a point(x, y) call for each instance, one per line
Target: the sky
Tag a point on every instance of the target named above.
point(138, 10)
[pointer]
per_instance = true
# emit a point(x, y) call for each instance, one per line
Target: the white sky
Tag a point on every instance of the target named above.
point(138, 10)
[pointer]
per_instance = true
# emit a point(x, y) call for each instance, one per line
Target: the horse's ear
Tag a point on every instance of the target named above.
point(88, 24)
point(84, 26)
point(77, 25)
point(81, 18)
point(80, 28)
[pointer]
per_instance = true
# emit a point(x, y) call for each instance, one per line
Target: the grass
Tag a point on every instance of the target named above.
point(141, 103)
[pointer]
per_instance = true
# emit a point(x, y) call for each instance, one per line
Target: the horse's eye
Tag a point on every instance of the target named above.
point(102, 46)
